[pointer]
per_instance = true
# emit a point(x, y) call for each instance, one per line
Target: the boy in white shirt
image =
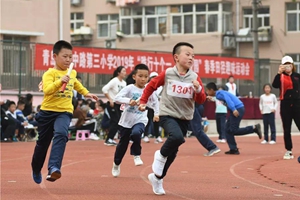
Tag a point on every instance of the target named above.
point(267, 106)
point(133, 121)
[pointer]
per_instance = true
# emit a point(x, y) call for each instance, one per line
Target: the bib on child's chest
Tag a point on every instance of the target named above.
point(180, 89)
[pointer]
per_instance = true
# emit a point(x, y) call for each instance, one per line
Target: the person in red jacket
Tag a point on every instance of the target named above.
point(181, 88)
point(288, 82)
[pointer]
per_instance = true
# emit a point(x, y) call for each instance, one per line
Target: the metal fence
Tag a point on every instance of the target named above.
point(18, 74)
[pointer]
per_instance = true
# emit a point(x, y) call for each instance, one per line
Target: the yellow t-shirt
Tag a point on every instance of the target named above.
point(53, 99)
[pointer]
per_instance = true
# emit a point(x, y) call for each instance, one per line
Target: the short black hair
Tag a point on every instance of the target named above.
point(10, 103)
point(211, 85)
point(176, 48)
point(61, 44)
point(21, 102)
point(140, 67)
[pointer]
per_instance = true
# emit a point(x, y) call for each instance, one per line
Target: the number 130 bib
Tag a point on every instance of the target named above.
point(180, 89)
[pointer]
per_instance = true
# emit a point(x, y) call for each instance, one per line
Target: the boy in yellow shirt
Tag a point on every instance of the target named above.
point(56, 113)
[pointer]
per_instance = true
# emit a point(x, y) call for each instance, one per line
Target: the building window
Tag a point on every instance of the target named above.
point(182, 18)
point(77, 21)
point(156, 20)
point(293, 16)
point(106, 25)
point(131, 20)
point(263, 17)
point(296, 59)
point(144, 20)
point(201, 18)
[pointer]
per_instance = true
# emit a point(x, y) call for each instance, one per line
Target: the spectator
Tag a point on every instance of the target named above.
point(231, 86)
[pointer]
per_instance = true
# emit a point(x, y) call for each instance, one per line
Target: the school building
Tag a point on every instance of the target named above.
point(215, 28)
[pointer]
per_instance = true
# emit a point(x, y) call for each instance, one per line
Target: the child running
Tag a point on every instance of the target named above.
point(133, 121)
point(182, 87)
point(56, 112)
point(267, 106)
point(237, 110)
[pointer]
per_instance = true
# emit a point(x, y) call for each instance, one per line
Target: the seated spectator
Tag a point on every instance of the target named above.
point(85, 123)
point(8, 124)
point(20, 123)
point(98, 115)
point(32, 124)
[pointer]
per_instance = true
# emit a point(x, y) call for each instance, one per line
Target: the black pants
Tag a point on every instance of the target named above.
point(8, 127)
point(153, 124)
point(174, 128)
point(269, 120)
point(289, 111)
point(221, 125)
point(128, 134)
point(115, 114)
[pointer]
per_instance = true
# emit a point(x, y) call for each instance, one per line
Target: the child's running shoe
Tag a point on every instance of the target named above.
point(137, 161)
point(37, 177)
point(288, 155)
point(158, 140)
point(115, 170)
point(157, 184)
point(212, 152)
point(53, 175)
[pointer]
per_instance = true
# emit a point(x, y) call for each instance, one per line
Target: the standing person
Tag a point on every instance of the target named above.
point(110, 90)
point(288, 81)
point(231, 86)
point(76, 94)
point(267, 107)
point(152, 124)
point(221, 112)
point(237, 111)
point(182, 87)
point(55, 114)
point(133, 121)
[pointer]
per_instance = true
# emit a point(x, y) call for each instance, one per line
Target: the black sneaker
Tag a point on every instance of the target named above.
point(233, 152)
point(257, 130)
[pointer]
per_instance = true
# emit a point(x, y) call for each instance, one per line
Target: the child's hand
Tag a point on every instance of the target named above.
point(65, 79)
point(236, 113)
point(210, 98)
point(196, 85)
point(92, 96)
point(25, 123)
point(142, 107)
point(156, 118)
point(132, 102)
point(273, 110)
point(40, 86)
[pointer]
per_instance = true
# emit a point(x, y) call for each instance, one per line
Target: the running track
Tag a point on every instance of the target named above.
point(259, 172)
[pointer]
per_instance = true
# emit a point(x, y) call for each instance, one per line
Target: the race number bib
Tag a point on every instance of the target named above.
point(180, 89)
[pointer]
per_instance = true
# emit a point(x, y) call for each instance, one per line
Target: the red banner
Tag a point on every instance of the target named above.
point(104, 61)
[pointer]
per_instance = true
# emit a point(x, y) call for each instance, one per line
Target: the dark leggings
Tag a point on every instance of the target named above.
point(150, 124)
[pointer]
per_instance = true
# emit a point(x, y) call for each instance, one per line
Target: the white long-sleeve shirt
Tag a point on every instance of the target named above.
point(267, 103)
point(131, 114)
point(113, 87)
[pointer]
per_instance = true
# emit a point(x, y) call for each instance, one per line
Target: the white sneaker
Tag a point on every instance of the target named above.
point(288, 155)
point(137, 161)
point(93, 136)
point(158, 163)
point(157, 184)
point(115, 170)
point(223, 141)
point(264, 142)
point(158, 140)
point(272, 142)
point(146, 139)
